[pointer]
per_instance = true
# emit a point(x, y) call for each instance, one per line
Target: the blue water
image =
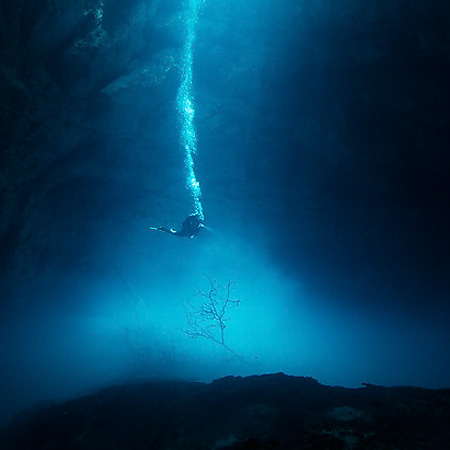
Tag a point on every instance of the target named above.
point(336, 245)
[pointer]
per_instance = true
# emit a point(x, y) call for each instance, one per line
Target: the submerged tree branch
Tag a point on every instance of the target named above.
point(208, 319)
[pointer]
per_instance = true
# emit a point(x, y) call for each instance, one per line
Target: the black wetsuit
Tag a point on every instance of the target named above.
point(191, 227)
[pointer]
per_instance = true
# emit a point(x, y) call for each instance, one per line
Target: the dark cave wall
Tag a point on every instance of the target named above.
point(78, 88)
point(362, 124)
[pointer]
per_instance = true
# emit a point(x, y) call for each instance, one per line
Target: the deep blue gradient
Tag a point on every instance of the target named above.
point(323, 160)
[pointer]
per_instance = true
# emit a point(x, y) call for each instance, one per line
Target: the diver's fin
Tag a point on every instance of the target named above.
point(154, 228)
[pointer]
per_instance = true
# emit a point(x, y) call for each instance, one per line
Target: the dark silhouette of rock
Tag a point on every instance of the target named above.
point(258, 412)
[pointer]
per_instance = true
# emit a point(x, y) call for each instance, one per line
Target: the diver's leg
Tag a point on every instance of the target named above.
point(165, 230)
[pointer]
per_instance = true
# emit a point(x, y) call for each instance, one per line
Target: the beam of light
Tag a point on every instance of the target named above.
point(186, 107)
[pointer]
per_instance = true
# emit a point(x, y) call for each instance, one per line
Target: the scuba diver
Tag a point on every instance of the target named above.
point(191, 227)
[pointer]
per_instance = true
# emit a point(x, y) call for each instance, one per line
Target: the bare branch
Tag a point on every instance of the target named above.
point(203, 320)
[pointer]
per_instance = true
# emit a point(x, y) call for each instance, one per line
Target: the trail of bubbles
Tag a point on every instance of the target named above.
point(186, 108)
